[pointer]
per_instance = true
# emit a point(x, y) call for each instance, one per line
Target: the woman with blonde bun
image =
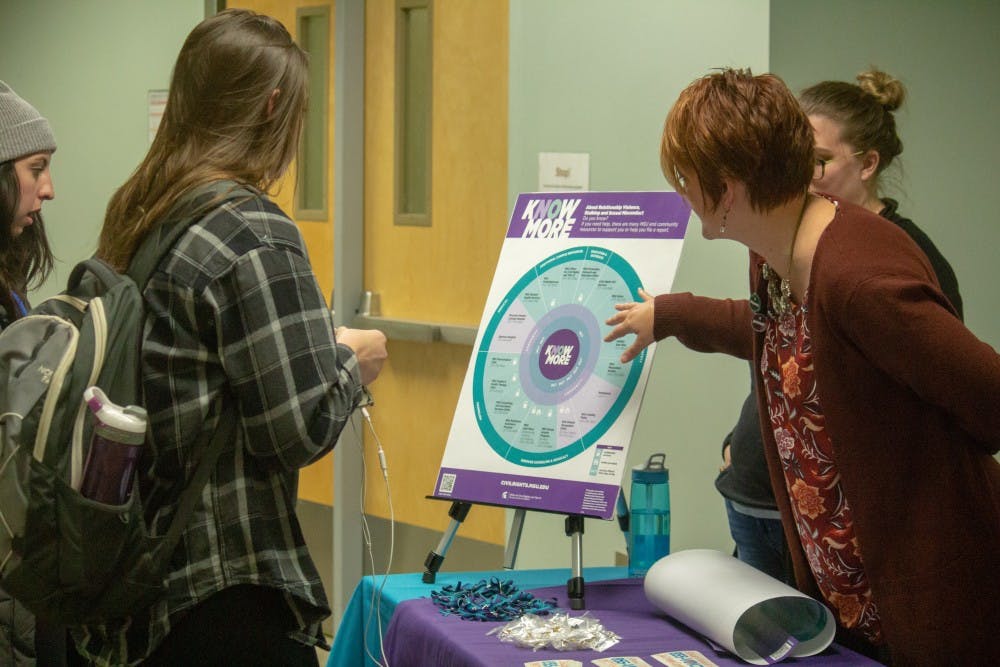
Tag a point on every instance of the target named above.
point(856, 142)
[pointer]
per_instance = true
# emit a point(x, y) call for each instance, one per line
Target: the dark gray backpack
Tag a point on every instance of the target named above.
point(69, 559)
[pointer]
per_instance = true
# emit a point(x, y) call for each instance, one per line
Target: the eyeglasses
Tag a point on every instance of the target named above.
point(819, 169)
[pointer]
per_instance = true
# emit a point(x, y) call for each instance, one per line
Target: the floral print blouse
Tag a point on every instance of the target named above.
point(822, 513)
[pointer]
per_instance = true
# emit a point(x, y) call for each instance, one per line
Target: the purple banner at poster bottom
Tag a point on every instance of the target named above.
point(533, 493)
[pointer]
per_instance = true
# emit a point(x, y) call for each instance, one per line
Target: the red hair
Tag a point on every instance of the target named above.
point(732, 124)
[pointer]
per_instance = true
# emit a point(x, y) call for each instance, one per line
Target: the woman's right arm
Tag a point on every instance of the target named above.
point(700, 323)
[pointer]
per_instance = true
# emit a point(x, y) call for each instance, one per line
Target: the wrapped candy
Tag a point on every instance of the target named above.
point(559, 631)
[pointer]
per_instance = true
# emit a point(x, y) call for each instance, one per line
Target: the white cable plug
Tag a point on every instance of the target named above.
point(378, 445)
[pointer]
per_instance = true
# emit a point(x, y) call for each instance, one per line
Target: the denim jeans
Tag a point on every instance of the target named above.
point(760, 543)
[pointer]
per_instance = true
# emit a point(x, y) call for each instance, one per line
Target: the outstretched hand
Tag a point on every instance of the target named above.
point(636, 318)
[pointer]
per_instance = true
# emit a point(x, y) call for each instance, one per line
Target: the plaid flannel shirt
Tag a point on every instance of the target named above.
point(236, 318)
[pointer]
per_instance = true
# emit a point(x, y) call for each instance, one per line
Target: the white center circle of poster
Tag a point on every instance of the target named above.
point(545, 388)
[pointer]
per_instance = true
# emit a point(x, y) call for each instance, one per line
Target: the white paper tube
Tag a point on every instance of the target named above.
point(753, 615)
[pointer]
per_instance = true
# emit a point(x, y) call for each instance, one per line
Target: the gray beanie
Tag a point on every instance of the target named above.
point(23, 130)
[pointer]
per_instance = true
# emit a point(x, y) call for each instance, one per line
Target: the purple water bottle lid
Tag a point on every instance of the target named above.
point(130, 421)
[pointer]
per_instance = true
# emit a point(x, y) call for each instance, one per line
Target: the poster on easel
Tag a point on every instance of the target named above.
point(547, 410)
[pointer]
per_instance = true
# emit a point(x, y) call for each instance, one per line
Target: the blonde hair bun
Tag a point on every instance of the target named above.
point(885, 88)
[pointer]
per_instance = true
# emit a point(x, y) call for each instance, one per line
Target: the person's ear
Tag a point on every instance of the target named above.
point(869, 164)
point(730, 188)
point(272, 101)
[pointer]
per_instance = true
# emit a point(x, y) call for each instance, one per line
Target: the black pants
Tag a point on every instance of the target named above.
point(242, 626)
point(51, 645)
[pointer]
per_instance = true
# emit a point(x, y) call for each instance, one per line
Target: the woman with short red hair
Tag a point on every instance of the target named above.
point(879, 407)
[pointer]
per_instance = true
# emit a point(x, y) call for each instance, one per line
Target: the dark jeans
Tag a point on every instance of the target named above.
point(242, 626)
point(760, 543)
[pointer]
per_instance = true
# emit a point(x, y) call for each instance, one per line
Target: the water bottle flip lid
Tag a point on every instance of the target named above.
point(653, 472)
point(130, 419)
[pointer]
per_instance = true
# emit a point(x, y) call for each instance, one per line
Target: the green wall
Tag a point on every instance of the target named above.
point(947, 54)
point(591, 76)
point(87, 67)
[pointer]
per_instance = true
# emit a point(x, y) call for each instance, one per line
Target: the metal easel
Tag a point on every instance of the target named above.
point(575, 588)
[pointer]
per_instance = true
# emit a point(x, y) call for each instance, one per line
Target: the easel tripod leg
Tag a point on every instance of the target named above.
point(514, 539)
point(432, 563)
point(574, 587)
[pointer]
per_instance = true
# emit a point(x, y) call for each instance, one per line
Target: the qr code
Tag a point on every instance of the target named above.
point(447, 483)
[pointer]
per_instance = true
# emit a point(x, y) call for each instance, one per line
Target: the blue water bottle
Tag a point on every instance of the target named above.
point(649, 520)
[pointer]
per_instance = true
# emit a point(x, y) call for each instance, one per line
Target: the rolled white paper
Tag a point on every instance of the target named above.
point(753, 615)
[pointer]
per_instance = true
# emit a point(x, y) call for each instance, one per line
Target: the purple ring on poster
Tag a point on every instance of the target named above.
point(581, 324)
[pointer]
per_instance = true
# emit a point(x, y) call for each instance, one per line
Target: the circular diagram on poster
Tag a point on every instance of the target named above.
point(545, 385)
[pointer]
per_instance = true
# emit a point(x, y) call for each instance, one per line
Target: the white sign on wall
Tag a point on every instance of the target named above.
point(563, 172)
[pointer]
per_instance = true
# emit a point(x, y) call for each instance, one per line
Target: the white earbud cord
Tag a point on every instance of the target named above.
point(376, 599)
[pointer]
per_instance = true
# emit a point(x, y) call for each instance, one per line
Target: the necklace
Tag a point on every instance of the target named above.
point(779, 292)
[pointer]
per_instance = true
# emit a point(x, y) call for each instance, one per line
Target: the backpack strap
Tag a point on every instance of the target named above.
point(224, 433)
point(191, 208)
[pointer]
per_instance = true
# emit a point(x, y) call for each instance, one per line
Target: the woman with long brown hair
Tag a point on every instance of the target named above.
point(236, 323)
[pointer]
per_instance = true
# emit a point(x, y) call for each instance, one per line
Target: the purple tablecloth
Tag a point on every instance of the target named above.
point(419, 635)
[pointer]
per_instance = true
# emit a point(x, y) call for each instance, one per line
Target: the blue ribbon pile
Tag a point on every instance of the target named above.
point(494, 600)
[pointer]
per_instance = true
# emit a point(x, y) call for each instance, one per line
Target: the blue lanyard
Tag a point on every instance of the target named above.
point(22, 310)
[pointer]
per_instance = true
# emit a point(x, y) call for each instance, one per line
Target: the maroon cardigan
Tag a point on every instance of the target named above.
point(912, 405)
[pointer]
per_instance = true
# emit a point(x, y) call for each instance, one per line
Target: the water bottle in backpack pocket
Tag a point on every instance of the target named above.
point(115, 448)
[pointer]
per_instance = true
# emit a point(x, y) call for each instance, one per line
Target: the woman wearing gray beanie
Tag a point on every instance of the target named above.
point(26, 147)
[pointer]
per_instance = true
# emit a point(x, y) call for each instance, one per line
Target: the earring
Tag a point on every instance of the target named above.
point(722, 228)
